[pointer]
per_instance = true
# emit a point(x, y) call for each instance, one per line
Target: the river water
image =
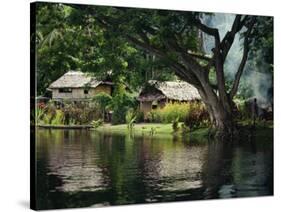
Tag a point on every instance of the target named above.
point(80, 168)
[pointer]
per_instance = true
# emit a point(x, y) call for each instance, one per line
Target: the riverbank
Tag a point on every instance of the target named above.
point(161, 129)
point(71, 127)
point(153, 129)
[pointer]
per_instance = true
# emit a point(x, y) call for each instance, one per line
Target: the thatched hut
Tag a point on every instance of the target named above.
point(78, 86)
point(156, 94)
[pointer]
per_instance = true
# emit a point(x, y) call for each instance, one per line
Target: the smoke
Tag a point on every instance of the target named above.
point(256, 75)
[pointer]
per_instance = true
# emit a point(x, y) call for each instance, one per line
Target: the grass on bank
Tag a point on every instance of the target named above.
point(154, 129)
point(159, 129)
point(142, 127)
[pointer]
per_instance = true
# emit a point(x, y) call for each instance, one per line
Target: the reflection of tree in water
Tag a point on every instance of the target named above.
point(82, 168)
point(120, 157)
point(237, 169)
point(216, 167)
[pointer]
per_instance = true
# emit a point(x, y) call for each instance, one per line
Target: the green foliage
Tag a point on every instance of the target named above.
point(154, 117)
point(50, 113)
point(64, 41)
point(121, 103)
point(193, 114)
point(184, 128)
point(197, 116)
point(262, 41)
point(152, 131)
point(139, 116)
point(69, 114)
point(175, 124)
point(130, 119)
point(47, 119)
point(103, 100)
point(137, 45)
point(96, 124)
point(169, 113)
point(80, 113)
point(58, 119)
point(54, 117)
point(39, 115)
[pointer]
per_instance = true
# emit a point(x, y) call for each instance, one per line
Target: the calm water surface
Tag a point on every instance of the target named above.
point(79, 168)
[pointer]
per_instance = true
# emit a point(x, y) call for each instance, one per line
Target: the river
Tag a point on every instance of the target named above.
point(82, 168)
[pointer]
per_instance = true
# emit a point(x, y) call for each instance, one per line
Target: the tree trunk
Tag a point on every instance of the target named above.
point(220, 113)
point(221, 118)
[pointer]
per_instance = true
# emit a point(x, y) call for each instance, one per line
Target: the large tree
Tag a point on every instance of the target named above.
point(174, 37)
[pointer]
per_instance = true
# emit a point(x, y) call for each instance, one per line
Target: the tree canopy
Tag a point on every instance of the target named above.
point(140, 44)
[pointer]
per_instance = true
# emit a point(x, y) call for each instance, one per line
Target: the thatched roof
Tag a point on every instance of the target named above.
point(76, 79)
point(173, 90)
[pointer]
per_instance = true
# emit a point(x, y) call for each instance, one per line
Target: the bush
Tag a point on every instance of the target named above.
point(169, 113)
point(69, 114)
point(39, 114)
point(130, 119)
point(197, 117)
point(154, 116)
point(103, 101)
point(55, 117)
point(50, 111)
point(175, 124)
point(58, 118)
point(184, 128)
point(244, 109)
point(121, 103)
point(193, 114)
point(139, 116)
point(96, 124)
point(81, 113)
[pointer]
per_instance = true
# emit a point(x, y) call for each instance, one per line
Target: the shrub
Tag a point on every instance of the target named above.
point(70, 113)
point(39, 114)
point(174, 111)
point(96, 124)
point(193, 114)
point(197, 117)
point(169, 113)
point(81, 113)
point(58, 119)
point(103, 100)
point(139, 116)
point(47, 119)
point(49, 113)
point(175, 124)
point(121, 103)
point(130, 119)
point(154, 116)
point(184, 128)
point(244, 109)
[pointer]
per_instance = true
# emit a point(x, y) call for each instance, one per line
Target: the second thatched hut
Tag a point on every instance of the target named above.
point(156, 94)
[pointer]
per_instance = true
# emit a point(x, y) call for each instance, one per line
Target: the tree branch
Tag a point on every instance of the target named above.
point(199, 56)
point(228, 39)
point(180, 70)
point(208, 30)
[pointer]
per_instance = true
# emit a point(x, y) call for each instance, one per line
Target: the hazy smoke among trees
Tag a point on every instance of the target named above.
point(256, 77)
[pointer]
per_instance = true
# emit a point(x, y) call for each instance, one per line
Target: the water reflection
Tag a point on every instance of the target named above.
point(84, 168)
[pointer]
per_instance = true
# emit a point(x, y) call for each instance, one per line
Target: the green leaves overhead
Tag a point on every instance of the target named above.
point(70, 37)
point(136, 44)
